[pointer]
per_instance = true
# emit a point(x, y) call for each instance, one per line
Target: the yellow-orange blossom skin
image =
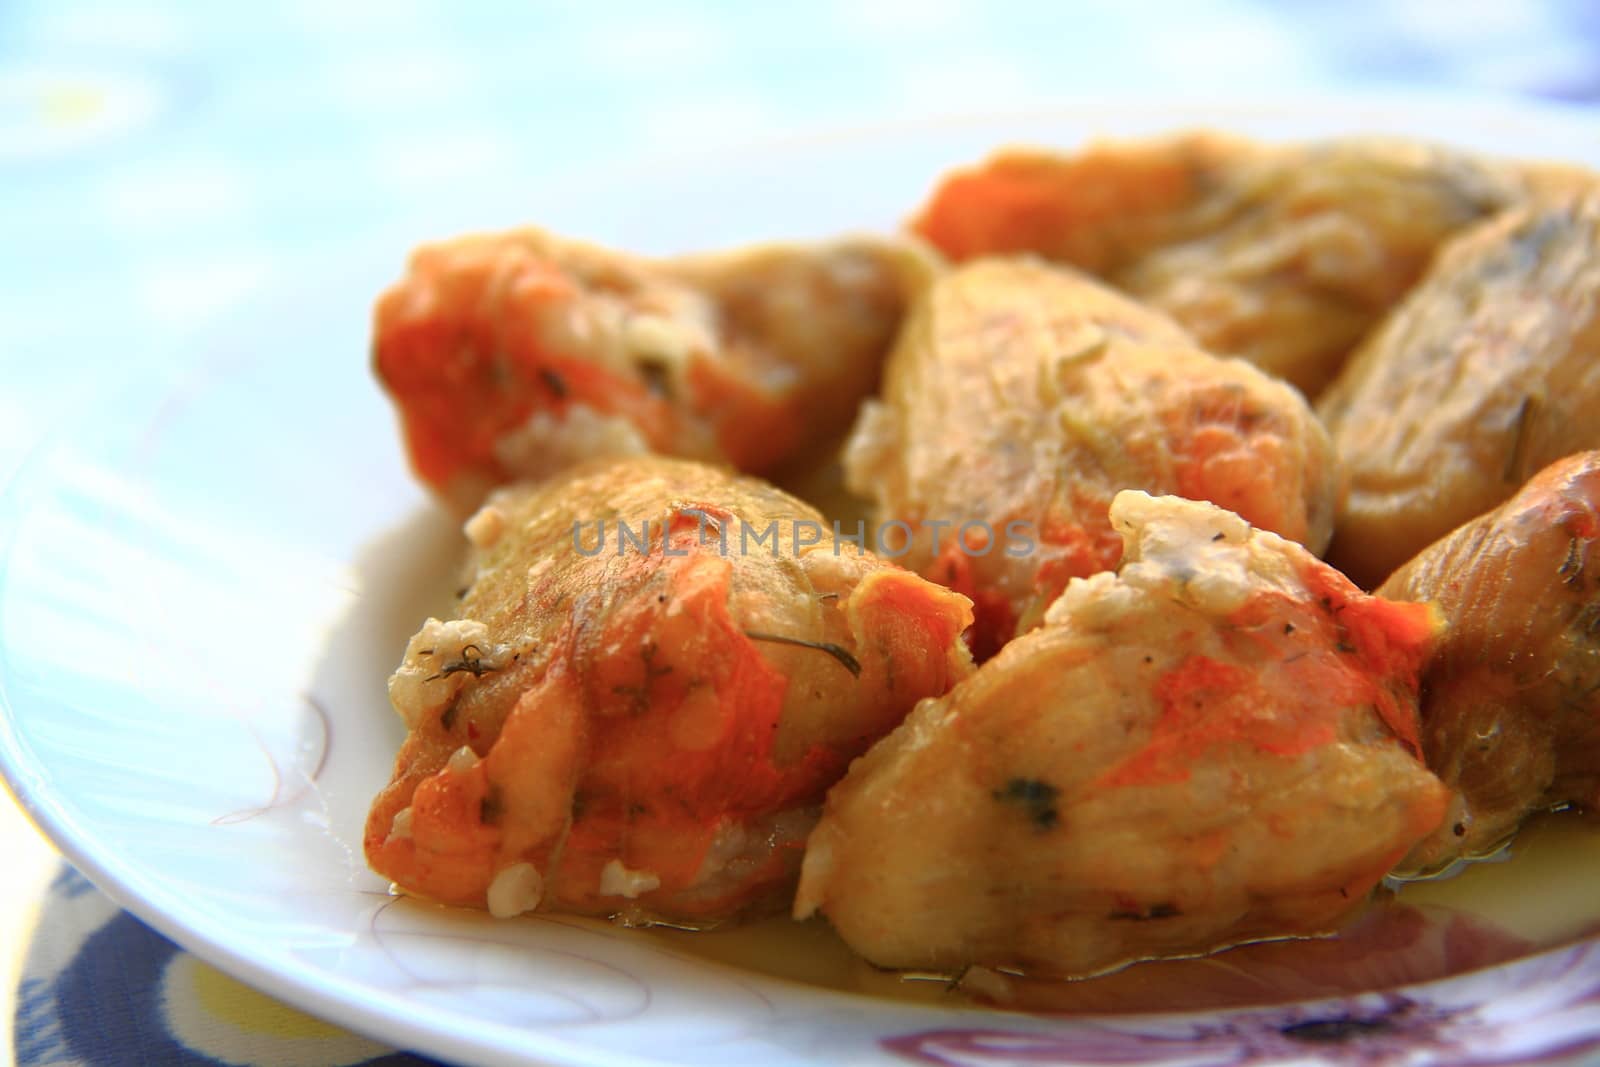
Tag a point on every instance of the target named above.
point(1487, 372)
point(1024, 392)
point(1215, 744)
point(513, 355)
point(1284, 255)
point(635, 732)
point(1511, 701)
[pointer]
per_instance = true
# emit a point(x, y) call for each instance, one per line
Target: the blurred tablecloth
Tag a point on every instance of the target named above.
point(161, 163)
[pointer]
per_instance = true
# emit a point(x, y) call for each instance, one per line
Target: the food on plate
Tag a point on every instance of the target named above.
point(657, 671)
point(512, 355)
point(1101, 209)
point(1488, 371)
point(1094, 699)
point(1216, 743)
point(1511, 699)
point(1284, 255)
point(1023, 395)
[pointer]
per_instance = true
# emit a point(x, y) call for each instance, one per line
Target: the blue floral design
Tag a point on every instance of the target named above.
point(1544, 1006)
point(105, 1008)
point(37, 1036)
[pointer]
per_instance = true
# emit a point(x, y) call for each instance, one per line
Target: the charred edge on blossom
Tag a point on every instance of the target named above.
point(846, 660)
point(1036, 797)
point(471, 662)
point(1154, 911)
point(1519, 440)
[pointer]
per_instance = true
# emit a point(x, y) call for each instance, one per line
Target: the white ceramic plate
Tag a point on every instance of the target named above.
point(203, 588)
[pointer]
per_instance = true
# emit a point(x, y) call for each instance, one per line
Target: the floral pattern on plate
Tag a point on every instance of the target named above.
point(1541, 1007)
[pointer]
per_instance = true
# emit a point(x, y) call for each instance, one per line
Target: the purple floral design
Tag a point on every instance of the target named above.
point(1536, 1008)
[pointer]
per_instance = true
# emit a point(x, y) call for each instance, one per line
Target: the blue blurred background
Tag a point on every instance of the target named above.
point(159, 162)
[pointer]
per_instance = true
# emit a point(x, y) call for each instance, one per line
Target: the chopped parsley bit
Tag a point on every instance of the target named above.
point(838, 652)
point(1036, 797)
point(554, 382)
point(471, 662)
